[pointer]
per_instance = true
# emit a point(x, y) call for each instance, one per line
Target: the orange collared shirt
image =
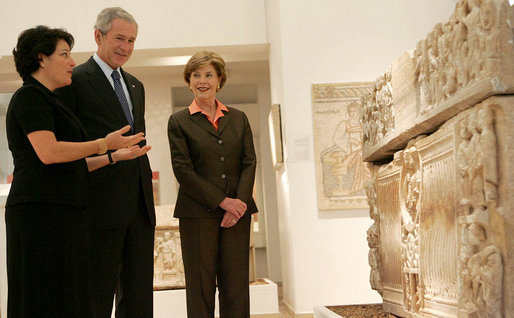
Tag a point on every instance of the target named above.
point(195, 108)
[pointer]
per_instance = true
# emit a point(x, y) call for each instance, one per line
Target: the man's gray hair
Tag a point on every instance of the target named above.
point(104, 18)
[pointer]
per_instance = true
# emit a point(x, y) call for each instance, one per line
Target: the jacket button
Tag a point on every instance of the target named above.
point(220, 141)
point(223, 176)
point(222, 158)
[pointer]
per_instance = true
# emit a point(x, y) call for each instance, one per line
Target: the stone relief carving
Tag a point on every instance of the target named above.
point(445, 240)
point(338, 130)
point(373, 236)
point(459, 52)
point(452, 259)
point(460, 63)
point(480, 260)
point(168, 266)
point(410, 190)
point(378, 112)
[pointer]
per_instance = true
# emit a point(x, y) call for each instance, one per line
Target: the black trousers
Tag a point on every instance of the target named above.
point(47, 258)
point(122, 265)
point(214, 254)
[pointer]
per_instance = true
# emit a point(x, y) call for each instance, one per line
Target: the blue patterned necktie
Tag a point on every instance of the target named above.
point(122, 98)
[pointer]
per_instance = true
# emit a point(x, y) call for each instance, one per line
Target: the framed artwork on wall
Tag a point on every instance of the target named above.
point(275, 132)
point(338, 131)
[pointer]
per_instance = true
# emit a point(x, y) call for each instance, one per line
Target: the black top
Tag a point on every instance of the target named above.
point(33, 108)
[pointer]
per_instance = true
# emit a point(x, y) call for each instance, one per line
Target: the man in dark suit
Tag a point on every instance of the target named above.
point(121, 206)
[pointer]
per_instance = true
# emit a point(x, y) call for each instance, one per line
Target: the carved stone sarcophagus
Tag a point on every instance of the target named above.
point(442, 125)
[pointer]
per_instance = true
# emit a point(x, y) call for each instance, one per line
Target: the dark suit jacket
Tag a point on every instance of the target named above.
point(114, 188)
point(211, 165)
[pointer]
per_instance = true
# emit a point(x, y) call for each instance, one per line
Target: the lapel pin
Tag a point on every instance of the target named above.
point(133, 86)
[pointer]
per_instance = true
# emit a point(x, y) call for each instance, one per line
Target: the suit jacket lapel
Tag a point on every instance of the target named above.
point(204, 123)
point(104, 89)
point(223, 122)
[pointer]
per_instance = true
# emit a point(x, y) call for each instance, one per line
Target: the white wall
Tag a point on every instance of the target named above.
point(163, 24)
point(324, 254)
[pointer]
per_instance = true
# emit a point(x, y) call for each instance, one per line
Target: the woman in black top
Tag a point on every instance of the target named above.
point(45, 222)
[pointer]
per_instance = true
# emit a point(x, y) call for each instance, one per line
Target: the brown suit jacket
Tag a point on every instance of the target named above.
point(211, 165)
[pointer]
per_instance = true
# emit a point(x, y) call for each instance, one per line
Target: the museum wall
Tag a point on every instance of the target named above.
point(166, 23)
point(324, 253)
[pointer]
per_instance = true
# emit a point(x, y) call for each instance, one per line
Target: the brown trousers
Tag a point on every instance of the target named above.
point(214, 254)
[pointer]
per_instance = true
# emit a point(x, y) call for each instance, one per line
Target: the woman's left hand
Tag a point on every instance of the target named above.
point(129, 153)
point(229, 220)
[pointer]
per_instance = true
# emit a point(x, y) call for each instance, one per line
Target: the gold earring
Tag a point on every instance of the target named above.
point(219, 86)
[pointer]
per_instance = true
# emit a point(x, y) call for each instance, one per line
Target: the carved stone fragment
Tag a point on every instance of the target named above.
point(373, 236)
point(444, 212)
point(168, 266)
point(460, 63)
point(378, 112)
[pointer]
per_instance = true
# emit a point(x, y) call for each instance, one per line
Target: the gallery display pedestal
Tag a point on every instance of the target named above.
point(263, 302)
point(324, 312)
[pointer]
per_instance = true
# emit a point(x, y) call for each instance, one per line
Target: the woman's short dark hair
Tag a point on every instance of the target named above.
point(34, 42)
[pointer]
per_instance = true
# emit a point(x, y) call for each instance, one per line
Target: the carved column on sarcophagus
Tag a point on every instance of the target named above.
point(410, 191)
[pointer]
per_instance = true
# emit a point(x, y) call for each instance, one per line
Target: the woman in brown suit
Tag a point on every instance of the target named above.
point(214, 162)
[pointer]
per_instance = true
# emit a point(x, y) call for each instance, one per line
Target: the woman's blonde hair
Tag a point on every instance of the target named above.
point(202, 59)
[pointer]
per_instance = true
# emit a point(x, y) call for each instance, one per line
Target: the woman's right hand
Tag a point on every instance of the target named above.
point(116, 140)
point(234, 206)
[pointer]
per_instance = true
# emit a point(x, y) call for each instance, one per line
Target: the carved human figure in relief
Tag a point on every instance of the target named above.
point(348, 139)
point(422, 74)
point(484, 271)
point(373, 237)
point(411, 187)
point(464, 155)
point(378, 115)
point(167, 249)
point(472, 22)
point(410, 195)
point(488, 151)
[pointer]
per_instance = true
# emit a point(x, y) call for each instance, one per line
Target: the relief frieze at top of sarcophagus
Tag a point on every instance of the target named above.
point(458, 64)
